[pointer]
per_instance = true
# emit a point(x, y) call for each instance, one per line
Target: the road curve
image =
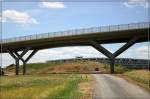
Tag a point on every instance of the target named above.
point(112, 87)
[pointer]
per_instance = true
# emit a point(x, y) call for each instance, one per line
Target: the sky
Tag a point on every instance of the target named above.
point(28, 18)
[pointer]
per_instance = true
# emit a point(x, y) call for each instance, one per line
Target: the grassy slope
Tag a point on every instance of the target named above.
point(77, 66)
point(141, 77)
point(41, 86)
point(31, 68)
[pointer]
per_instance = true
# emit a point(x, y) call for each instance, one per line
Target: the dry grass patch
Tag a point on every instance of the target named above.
point(42, 86)
point(75, 67)
point(141, 77)
point(87, 88)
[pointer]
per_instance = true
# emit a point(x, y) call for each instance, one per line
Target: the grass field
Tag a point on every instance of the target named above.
point(43, 86)
point(39, 84)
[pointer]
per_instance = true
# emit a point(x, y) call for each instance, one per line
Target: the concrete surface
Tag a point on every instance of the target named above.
point(112, 87)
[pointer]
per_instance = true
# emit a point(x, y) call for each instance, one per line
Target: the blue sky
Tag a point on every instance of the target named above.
point(73, 15)
point(26, 18)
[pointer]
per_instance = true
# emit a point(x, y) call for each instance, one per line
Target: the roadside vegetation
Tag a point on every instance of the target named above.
point(49, 86)
point(141, 77)
point(43, 82)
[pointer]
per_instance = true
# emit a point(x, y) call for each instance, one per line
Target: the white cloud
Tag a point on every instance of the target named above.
point(52, 5)
point(143, 52)
point(135, 3)
point(55, 53)
point(17, 17)
point(6, 59)
point(2, 19)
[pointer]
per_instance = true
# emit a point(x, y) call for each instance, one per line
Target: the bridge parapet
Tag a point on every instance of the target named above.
point(83, 31)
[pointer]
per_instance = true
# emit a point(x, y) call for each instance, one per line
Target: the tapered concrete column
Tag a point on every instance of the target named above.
point(18, 57)
point(24, 68)
point(112, 63)
point(24, 61)
point(110, 55)
point(106, 53)
point(17, 67)
point(16, 61)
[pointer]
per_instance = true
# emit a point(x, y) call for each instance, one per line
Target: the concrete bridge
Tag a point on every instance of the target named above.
point(124, 33)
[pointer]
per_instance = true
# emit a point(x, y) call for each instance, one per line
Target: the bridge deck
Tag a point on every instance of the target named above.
point(105, 34)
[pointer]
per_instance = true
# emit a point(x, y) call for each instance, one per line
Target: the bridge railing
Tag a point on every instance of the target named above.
point(80, 32)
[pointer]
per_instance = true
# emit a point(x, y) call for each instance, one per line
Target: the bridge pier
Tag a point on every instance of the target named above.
point(112, 63)
point(110, 55)
point(18, 57)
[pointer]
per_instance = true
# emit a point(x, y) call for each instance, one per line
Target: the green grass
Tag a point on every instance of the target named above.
point(32, 68)
point(119, 69)
point(41, 86)
point(37, 67)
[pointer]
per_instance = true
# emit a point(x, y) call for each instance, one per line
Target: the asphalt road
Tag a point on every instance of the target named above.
point(112, 87)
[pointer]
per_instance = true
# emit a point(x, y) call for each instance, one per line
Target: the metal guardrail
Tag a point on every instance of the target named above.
point(80, 32)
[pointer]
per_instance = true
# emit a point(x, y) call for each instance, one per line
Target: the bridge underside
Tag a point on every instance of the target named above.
point(93, 43)
point(129, 37)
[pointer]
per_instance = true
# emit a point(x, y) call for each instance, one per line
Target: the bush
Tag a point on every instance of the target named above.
point(119, 69)
point(106, 66)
